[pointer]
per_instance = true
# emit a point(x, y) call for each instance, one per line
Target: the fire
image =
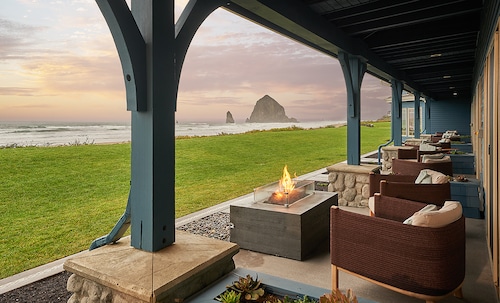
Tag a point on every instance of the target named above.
point(286, 183)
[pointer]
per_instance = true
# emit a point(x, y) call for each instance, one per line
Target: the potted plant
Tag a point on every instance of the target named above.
point(248, 290)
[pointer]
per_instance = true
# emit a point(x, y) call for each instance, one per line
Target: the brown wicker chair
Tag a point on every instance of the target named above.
point(409, 167)
point(426, 193)
point(404, 153)
point(422, 262)
point(375, 178)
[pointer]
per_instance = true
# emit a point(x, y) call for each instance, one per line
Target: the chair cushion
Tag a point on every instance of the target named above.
point(449, 213)
point(423, 178)
point(427, 147)
point(437, 177)
point(427, 208)
point(435, 158)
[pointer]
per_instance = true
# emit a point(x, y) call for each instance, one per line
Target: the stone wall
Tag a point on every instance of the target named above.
point(351, 182)
point(85, 290)
point(388, 152)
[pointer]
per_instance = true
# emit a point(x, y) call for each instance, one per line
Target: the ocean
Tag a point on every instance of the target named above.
point(19, 134)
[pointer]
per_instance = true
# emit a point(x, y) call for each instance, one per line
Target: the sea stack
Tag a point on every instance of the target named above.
point(229, 117)
point(268, 110)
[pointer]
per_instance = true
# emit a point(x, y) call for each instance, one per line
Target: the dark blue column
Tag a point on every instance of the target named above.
point(152, 198)
point(396, 112)
point(353, 69)
point(152, 50)
point(427, 115)
point(417, 115)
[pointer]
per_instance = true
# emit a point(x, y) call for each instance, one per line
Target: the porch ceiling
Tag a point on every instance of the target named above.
point(429, 45)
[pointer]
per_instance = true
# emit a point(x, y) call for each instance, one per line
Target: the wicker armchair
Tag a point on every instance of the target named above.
point(426, 193)
point(408, 153)
point(404, 187)
point(375, 178)
point(409, 167)
point(422, 262)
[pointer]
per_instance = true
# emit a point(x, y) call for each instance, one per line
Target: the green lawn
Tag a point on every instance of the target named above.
point(55, 200)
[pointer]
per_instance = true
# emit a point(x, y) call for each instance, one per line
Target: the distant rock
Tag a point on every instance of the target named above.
point(229, 117)
point(269, 110)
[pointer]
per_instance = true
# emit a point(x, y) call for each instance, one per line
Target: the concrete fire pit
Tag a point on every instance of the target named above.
point(292, 231)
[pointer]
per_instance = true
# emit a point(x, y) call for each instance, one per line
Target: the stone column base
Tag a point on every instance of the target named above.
point(351, 182)
point(119, 273)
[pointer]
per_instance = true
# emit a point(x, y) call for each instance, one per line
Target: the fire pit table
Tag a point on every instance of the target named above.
point(292, 228)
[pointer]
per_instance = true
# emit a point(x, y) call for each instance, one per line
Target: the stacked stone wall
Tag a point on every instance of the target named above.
point(87, 291)
point(351, 182)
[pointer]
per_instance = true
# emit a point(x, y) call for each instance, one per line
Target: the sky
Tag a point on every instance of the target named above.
point(58, 62)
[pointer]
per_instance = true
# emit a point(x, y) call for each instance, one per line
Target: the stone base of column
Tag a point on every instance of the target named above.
point(119, 273)
point(351, 182)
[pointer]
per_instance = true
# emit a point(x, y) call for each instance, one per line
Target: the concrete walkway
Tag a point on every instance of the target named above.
point(478, 286)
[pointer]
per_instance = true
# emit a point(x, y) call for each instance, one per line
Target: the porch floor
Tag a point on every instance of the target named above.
point(315, 271)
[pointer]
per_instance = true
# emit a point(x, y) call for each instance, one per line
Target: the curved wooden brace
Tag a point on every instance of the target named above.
point(354, 70)
point(193, 15)
point(131, 50)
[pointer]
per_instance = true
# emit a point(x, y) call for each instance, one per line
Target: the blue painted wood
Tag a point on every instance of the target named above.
point(152, 194)
point(279, 285)
point(427, 116)
point(469, 194)
point(353, 69)
point(451, 115)
point(463, 164)
point(463, 147)
point(193, 15)
point(131, 50)
point(396, 112)
point(151, 80)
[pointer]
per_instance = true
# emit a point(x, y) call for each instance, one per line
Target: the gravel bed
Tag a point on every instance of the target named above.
point(53, 289)
point(215, 226)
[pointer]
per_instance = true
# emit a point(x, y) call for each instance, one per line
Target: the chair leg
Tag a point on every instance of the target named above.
point(458, 293)
point(335, 278)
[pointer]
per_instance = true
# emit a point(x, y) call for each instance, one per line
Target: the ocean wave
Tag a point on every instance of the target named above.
point(51, 134)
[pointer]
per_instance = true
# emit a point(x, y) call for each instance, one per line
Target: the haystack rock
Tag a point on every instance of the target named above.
point(229, 117)
point(269, 110)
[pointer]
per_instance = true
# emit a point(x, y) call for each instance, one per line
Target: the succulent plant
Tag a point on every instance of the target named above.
point(304, 299)
point(229, 296)
point(249, 288)
point(338, 297)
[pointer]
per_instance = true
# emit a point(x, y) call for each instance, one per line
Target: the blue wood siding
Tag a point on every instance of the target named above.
point(450, 115)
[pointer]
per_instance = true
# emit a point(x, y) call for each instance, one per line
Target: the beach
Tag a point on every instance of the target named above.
point(19, 134)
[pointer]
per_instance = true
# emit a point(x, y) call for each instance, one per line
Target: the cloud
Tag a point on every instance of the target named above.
point(63, 55)
point(17, 91)
point(17, 38)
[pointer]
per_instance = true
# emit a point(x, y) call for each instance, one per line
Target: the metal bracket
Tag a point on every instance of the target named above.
point(131, 50)
point(117, 232)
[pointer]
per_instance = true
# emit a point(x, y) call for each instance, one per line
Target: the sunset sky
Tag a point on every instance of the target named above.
point(58, 62)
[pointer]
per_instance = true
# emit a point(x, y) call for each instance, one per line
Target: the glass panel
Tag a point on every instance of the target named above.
point(404, 122)
point(411, 122)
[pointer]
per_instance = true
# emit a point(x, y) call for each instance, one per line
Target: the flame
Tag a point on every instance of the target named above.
point(286, 183)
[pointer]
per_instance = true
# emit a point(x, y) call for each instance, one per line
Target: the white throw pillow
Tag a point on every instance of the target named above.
point(427, 208)
point(449, 213)
point(423, 178)
point(431, 159)
point(437, 177)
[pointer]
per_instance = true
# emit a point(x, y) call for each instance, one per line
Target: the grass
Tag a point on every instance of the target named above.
point(54, 201)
